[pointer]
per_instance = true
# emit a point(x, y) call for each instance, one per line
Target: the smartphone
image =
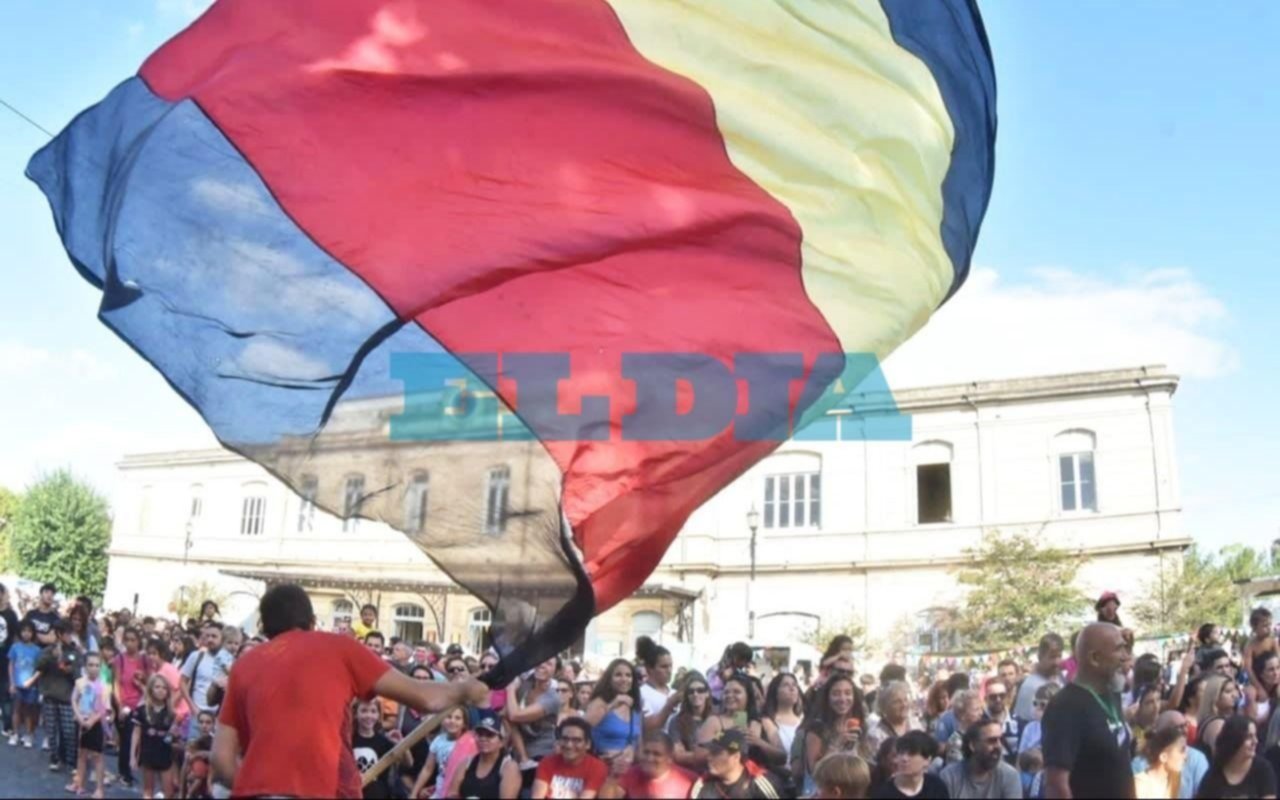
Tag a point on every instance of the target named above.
point(740, 720)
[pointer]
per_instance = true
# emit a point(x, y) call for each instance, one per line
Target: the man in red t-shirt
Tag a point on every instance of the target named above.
point(285, 726)
point(656, 776)
point(573, 773)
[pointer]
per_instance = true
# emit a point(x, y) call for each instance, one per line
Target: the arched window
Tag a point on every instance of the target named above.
point(646, 623)
point(933, 481)
point(415, 503)
point(197, 503)
point(352, 498)
point(144, 510)
point(408, 620)
point(343, 613)
point(308, 487)
point(497, 490)
point(253, 509)
point(793, 491)
point(1077, 482)
point(478, 622)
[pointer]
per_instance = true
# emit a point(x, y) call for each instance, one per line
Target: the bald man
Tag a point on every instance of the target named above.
point(1196, 766)
point(1087, 743)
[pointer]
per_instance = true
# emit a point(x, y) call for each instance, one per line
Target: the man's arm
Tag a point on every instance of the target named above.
point(429, 696)
point(1057, 783)
point(225, 755)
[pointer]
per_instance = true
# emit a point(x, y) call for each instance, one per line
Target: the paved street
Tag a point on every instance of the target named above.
point(25, 773)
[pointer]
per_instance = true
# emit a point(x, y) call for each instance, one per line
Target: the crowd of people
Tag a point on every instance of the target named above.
point(187, 711)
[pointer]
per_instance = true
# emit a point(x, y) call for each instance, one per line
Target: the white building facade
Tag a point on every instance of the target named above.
point(846, 530)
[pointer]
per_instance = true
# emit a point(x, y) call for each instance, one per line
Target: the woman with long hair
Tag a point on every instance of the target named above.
point(1165, 750)
point(1261, 702)
point(936, 703)
point(79, 620)
point(836, 723)
point(657, 697)
point(784, 707)
point(1218, 702)
point(614, 713)
point(738, 711)
point(1236, 770)
point(695, 709)
point(568, 700)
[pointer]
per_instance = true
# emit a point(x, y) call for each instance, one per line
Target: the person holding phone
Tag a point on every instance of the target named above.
point(837, 724)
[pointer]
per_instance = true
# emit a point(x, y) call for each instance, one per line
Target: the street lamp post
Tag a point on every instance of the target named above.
point(186, 551)
point(753, 522)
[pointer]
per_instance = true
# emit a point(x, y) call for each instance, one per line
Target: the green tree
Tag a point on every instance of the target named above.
point(8, 507)
point(186, 600)
point(1198, 587)
point(1018, 590)
point(60, 533)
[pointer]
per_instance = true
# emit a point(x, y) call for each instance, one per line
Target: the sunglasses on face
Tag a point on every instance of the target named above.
point(457, 670)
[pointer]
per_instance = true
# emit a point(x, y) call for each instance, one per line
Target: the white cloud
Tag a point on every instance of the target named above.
point(235, 198)
point(18, 359)
point(263, 358)
point(1061, 321)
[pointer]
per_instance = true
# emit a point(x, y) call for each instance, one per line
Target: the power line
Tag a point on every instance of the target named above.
point(29, 120)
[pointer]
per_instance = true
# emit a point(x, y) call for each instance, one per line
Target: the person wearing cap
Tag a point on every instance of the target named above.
point(572, 772)
point(491, 772)
point(1108, 608)
point(727, 774)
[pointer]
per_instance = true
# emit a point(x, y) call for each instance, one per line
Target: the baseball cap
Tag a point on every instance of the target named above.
point(730, 741)
point(488, 720)
point(454, 650)
point(1106, 598)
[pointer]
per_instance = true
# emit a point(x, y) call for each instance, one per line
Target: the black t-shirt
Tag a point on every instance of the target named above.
point(367, 751)
point(933, 789)
point(1260, 781)
point(744, 788)
point(1096, 748)
point(155, 749)
point(42, 620)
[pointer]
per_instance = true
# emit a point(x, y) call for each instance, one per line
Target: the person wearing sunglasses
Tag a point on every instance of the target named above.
point(695, 708)
point(491, 772)
point(997, 711)
point(573, 772)
point(1030, 738)
point(568, 700)
point(982, 772)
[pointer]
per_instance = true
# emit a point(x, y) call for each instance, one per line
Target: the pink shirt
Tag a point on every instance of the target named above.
point(174, 679)
point(125, 668)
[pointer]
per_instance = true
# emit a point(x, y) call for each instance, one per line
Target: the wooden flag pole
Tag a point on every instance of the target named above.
point(424, 729)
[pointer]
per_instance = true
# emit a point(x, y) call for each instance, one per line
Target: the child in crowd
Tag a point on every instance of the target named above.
point(452, 726)
point(153, 722)
point(1030, 765)
point(109, 651)
point(89, 703)
point(842, 775)
point(22, 670)
point(369, 744)
point(57, 670)
point(1261, 641)
point(195, 767)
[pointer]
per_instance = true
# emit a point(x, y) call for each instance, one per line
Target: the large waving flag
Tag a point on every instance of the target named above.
point(293, 201)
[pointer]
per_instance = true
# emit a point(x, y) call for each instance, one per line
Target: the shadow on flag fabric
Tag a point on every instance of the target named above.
point(320, 221)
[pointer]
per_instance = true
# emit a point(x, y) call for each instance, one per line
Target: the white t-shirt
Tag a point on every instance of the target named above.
point(651, 700)
point(215, 666)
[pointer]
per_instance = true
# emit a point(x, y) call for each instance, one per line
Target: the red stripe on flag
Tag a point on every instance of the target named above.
point(514, 175)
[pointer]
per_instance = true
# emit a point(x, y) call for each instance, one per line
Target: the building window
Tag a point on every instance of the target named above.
point(496, 496)
point(343, 613)
point(253, 512)
point(352, 497)
point(408, 620)
point(1075, 471)
point(646, 623)
point(415, 503)
point(478, 622)
point(144, 510)
point(793, 501)
point(307, 490)
point(933, 493)
point(197, 503)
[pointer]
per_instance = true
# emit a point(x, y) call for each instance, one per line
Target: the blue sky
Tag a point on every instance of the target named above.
point(1133, 221)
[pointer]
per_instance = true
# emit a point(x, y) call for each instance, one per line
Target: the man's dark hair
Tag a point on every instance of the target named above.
point(211, 624)
point(83, 600)
point(161, 648)
point(891, 673)
point(740, 651)
point(916, 743)
point(48, 587)
point(1210, 656)
point(1258, 615)
point(1146, 670)
point(575, 722)
point(375, 634)
point(60, 626)
point(1048, 642)
point(148, 620)
point(1206, 630)
point(973, 734)
point(658, 737)
point(1008, 662)
point(285, 607)
point(958, 682)
point(369, 607)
